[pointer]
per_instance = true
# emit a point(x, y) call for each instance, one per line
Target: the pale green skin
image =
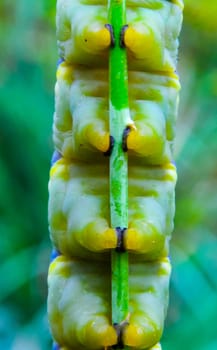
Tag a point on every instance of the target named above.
point(82, 111)
point(82, 102)
point(162, 18)
point(79, 295)
point(81, 108)
point(79, 196)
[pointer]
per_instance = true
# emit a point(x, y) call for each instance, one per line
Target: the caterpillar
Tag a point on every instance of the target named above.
point(79, 279)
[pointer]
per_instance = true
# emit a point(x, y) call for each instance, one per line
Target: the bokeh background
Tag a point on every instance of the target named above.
point(28, 58)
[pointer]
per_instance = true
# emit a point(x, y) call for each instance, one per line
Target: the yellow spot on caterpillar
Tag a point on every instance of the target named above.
point(97, 39)
point(101, 334)
point(146, 240)
point(99, 239)
point(104, 37)
point(61, 266)
point(141, 41)
point(110, 239)
point(61, 171)
point(132, 240)
point(98, 140)
point(110, 338)
point(137, 336)
point(147, 143)
point(132, 38)
point(131, 336)
point(65, 72)
point(55, 264)
point(53, 170)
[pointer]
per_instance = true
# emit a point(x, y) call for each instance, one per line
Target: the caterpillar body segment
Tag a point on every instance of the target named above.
point(79, 281)
point(79, 210)
point(79, 303)
point(81, 120)
point(81, 117)
point(151, 38)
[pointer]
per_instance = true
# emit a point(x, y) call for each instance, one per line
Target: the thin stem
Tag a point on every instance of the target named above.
point(119, 119)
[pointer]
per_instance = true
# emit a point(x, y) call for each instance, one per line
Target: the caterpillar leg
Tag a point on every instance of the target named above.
point(151, 210)
point(147, 138)
point(79, 304)
point(144, 43)
point(149, 283)
point(81, 129)
point(78, 209)
point(153, 103)
point(80, 126)
point(150, 37)
point(82, 35)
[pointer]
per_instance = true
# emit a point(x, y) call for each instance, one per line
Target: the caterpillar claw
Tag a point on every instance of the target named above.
point(111, 32)
point(124, 139)
point(111, 146)
point(122, 36)
point(129, 128)
point(119, 328)
point(120, 239)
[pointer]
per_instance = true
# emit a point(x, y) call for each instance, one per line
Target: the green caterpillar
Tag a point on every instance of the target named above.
point(79, 306)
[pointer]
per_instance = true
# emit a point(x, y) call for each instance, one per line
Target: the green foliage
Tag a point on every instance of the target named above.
point(191, 322)
point(27, 76)
point(28, 54)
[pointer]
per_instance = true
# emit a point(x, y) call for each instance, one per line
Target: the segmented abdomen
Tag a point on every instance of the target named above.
point(79, 216)
point(81, 122)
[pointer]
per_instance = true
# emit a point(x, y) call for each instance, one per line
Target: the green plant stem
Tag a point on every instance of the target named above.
point(119, 119)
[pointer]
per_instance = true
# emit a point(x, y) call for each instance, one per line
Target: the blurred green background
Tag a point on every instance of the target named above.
point(28, 58)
